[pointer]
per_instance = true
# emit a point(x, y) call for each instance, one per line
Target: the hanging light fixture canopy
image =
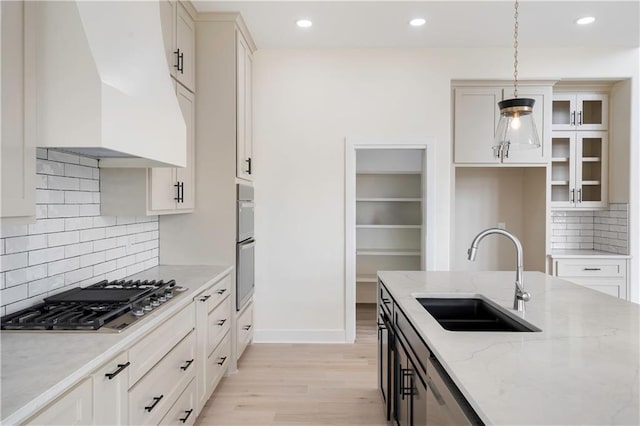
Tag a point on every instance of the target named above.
point(516, 127)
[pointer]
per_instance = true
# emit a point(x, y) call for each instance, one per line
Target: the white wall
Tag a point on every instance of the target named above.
point(306, 102)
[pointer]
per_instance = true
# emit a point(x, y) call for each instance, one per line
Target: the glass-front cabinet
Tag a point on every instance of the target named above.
point(580, 111)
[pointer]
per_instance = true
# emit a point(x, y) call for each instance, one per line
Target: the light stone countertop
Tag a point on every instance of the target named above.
point(38, 366)
point(577, 254)
point(582, 368)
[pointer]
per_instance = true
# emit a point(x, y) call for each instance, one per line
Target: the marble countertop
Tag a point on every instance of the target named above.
point(582, 368)
point(570, 254)
point(37, 367)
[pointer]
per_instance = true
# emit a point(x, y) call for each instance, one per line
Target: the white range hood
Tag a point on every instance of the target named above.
point(102, 83)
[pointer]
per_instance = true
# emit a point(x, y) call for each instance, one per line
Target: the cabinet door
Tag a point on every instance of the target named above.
point(186, 44)
point(563, 173)
point(18, 148)
point(162, 189)
point(242, 166)
point(168, 20)
point(403, 387)
point(564, 111)
point(248, 123)
point(73, 408)
point(592, 111)
point(476, 115)
point(110, 384)
point(591, 169)
point(541, 115)
point(186, 176)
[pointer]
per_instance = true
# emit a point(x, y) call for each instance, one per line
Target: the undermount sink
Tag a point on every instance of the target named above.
point(472, 314)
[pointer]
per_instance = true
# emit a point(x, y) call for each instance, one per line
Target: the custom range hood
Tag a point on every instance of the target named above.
point(102, 85)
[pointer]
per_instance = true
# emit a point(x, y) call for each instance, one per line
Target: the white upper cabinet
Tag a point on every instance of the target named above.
point(476, 116)
point(244, 167)
point(18, 148)
point(580, 111)
point(179, 36)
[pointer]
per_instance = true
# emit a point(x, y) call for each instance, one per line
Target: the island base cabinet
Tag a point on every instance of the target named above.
point(183, 411)
point(73, 408)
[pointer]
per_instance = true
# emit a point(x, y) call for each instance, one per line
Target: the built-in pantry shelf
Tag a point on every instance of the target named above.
point(388, 172)
point(389, 226)
point(389, 199)
point(367, 278)
point(387, 252)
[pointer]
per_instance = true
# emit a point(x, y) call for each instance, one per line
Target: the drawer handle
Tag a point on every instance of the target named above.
point(221, 291)
point(184, 367)
point(385, 300)
point(118, 371)
point(221, 322)
point(204, 299)
point(247, 327)
point(156, 399)
point(184, 419)
point(592, 269)
point(222, 360)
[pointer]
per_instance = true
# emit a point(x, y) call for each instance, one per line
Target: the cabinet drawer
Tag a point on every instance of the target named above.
point(73, 408)
point(152, 348)
point(155, 393)
point(420, 351)
point(217, 362)
point(616, 287)
point(591, 268)
point(385, 300)
point(110, 384)
point(219, 321)
point(217, 293)
point(183, 411)
point(245, 328)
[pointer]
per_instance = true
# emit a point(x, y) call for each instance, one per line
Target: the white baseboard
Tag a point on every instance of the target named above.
point(300, 336)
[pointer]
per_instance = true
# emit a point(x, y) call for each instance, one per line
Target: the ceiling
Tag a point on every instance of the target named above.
point(343, 24)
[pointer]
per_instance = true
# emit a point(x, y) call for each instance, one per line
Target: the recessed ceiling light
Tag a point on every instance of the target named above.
point(304, 23)
point(586, 20)
point(417, 22)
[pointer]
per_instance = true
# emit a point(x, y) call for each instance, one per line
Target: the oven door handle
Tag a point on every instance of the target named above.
point(247, 245)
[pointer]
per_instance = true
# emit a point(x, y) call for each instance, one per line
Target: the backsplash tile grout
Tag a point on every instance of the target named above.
point(70, 244)
point(603, 230)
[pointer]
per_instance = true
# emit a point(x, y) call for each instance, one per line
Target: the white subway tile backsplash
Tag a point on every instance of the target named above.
point(59, 182)
point(62, 266)
point(23, 275)
point(92, 234)
point(89, 185)
point(70, 244)
point(78, 249)
point(45, 285)
point(9, 262)
point(45, 226)
point(37, 257)
point(73, 170)
point(26, 243)
point(63, 238)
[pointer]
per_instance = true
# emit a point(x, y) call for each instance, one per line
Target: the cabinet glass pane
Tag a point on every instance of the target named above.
point(561, 112)
point(560, 171)
point(591, 147)
point(591, 193)
point(591, 172)
point(560, 147)
point(592, 112)
point(560, 193)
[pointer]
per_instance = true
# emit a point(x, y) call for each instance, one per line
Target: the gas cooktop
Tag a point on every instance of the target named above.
point(108, 306)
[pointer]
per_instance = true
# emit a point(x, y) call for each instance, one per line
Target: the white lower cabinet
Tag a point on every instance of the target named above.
point(607, 276)
point(151, 398)
point(213, 322)
point(184, 410)
point(73, 408)
point(245, 328)
point(110, 384)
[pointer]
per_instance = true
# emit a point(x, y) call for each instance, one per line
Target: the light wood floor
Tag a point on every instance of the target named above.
point(303, 384)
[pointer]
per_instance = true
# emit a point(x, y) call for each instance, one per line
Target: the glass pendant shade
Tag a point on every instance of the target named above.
point(516, 127)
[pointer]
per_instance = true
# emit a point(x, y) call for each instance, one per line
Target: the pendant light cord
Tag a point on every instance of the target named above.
point(515, 53)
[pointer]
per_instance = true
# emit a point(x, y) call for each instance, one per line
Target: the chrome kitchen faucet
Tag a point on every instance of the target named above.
point(520, 296)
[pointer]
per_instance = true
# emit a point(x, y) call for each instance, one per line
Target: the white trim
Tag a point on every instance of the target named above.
point(351, 144)
point(299, 336)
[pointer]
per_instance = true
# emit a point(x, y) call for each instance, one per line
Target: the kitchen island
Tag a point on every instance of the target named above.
point(581, 368)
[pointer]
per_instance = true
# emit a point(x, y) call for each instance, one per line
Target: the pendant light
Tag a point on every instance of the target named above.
point(516, 127)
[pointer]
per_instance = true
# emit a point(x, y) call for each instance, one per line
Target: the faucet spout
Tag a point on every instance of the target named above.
point(520, 296)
